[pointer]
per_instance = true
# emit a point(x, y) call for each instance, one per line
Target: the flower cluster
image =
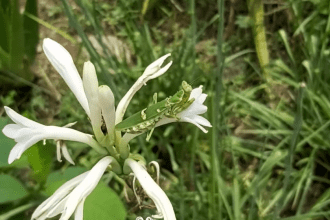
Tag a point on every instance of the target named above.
point(98, 103)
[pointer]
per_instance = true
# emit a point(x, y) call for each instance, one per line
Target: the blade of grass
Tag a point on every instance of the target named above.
point(17, 42)
point(297, 125)
point(217, 187)
point(31, 29)
point(51, 27)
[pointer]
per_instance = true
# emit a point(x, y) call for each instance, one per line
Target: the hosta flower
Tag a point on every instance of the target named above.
point(70, 197)
point(163, 204)
point(27, 132)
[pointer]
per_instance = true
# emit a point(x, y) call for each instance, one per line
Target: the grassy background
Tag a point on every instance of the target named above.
point(265, 70)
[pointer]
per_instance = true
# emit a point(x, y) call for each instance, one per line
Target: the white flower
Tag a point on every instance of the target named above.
point(62, 61)
point(152, 71)
point(192, 113)
point(70, 197)
point(27, 132)
point(163, 204)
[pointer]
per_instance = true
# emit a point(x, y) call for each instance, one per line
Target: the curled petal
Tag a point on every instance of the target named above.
point(186, 119)
point(21, 120)
point(152, 71)
point(66, 154)
point(151, 188)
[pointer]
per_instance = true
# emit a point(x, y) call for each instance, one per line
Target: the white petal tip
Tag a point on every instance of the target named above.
point(11, 159)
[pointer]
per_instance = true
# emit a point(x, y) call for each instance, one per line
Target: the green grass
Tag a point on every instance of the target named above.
point(264, 158)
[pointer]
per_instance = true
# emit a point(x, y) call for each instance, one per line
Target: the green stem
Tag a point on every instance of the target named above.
point(15, 211)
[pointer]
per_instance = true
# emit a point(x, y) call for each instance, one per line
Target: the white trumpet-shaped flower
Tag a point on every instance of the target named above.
point(163, 204)
point(70, 197)
point(27, 132)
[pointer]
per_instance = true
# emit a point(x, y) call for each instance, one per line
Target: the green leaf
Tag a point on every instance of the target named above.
point(104, 204)
point(6, 145)
point(56, 179)
point(40, 157)
point(11, 189)
point(31, 29)
point(16, 39)
point(4, 25)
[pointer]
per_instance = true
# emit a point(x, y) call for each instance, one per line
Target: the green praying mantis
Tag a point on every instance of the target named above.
point(146, 119)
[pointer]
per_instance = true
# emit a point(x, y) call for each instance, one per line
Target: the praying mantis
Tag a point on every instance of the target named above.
point(147, 118)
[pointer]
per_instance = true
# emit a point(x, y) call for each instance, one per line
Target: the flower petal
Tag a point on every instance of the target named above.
point(66, 154)
point(195, 93)
point(194, 109)
point(201, 98)
point(201, 120)
point(26, 137)
point(86, 186)
point(152, 71)
point(58, 196)
point(20, 147)
point(62, 61)
point(21, 120)
point(186, 119)
point(107, 103)
point(151, 188)
point(91, 88)
point(11, 130)
point(79, 213)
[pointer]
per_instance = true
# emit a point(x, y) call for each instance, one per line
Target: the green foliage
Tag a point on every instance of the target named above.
point(6, 143)
point(18, 41)
point(264, 158)
point(104, 204)
point(6, 146)
point(11, 189)
point(58, 178)
point(40, 158)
